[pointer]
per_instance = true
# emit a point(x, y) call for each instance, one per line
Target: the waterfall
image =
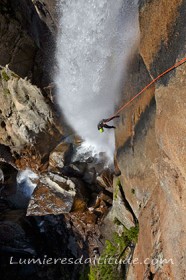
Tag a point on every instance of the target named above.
point(95, 42)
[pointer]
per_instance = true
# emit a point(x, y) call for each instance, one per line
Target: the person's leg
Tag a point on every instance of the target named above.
point(108, 126)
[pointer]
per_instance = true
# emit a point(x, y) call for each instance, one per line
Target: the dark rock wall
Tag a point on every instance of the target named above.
point(27, 40)
point(150, 138)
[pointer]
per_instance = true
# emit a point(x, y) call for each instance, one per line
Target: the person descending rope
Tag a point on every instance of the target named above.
point(102, 124)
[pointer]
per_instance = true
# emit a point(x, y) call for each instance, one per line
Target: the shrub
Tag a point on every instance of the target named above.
point(113, 249)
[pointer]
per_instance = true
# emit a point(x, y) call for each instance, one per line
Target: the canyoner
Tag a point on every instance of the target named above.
point(103, 124)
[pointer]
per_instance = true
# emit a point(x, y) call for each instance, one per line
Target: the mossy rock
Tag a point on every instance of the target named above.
point(5, 76)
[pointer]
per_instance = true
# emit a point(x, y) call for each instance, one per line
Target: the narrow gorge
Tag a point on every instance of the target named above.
point(70, 195)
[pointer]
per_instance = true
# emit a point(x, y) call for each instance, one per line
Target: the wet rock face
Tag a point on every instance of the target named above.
point(150, 143)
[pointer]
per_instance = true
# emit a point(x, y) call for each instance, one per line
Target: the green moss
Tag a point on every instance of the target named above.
point(117, 222)
point(118, 184)
point(113, 250)
point(92, 275)
point(4, 76)
point(131, 235)
point(116, 192)
point(103, 270)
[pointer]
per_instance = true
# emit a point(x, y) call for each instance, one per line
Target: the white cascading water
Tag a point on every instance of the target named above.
point(96, 40)
point(25, 188)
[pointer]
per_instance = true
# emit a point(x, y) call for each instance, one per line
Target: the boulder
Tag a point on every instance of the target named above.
point(60, 156)
point(53, 195)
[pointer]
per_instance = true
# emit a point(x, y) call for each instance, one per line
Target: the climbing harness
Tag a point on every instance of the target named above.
point(146, 87)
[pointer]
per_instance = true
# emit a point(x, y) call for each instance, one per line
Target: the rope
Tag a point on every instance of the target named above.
point(146, 87)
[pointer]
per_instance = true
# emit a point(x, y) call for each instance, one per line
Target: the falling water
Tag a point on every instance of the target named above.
point(96, 40)
point(25, 188)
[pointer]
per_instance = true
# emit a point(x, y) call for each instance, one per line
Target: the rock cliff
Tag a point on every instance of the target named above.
point(150, 142)
point(27, 41)
point(77, 205)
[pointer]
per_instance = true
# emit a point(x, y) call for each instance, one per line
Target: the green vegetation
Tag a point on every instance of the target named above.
point(113, 251)
point(131, 235)
point(4, 76)
point(110, 265)
point(117, 222)
point(118, 184)
point(105, 271)
point(116, 192)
